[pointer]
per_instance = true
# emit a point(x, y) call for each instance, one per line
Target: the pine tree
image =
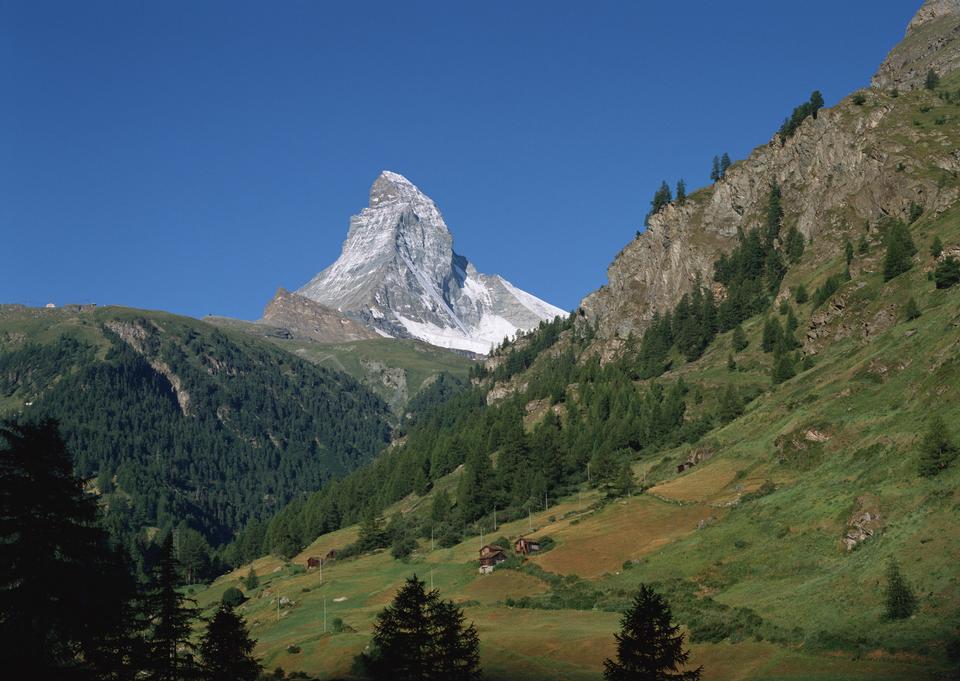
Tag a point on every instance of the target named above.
point(624, 483)
point(800, 294)
point(910, 310)
point(794, 245)
point(440, 507)
point(772, 334)
point(418, 637)
point(252, 581)
point(724, 165)
point(900, 251)
point(774, 219)
point(456, 645)
point(226, 651)
point(604, 470)
point(649, 646)
point(715, 169)
point(947, 273)
point(848, 251)
point(816, 102)
point(784, 368)
point(937, 451)
point(936, 248)
point(739, 340)
point(169, 616)
point(372, 535)
point(932, 80)
point(66, 593)
point(681, 191)
point(901, 601)
point(730, 404)
point(660, 199)
point(193, 553)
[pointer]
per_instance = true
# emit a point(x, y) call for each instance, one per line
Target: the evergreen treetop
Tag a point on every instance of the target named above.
point(419, 637)
point(649, 646)
point(226, 650)
point(900, 599)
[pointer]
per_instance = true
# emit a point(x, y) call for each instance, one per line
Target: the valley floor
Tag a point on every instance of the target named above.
point(519, 642)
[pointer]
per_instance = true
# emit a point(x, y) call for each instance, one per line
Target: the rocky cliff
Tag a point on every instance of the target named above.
point(305, 318)
point(865, 158)
point(932, 42)
point(398, 274)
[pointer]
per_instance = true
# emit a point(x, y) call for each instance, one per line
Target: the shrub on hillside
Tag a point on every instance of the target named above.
point(901, 601)
point(947, 273)
point(232, 597)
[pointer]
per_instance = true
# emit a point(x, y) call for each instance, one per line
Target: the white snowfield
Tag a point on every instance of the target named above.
point(398, 273)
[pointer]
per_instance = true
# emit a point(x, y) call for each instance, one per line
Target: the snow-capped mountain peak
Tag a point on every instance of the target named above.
point(398, 273)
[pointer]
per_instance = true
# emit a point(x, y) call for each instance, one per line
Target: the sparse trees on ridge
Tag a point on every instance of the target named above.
point(725, 164)
point(660, 199)
point(806, 110)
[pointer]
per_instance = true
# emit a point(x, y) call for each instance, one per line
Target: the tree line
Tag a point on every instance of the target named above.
point(70, 603)
point(259, 427)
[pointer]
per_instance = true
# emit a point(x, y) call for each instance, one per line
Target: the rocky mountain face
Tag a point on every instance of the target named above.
point(932, 42)
point(849, 165)
point(399, 275)
point(305, 318)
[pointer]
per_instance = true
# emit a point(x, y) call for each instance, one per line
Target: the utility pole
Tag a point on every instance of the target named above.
point(494, 518)
point(588, 472)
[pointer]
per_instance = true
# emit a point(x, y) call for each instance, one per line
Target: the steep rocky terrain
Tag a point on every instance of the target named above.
point(305, 318)
point(848, 165)
point(399, 275)
point(930, 43)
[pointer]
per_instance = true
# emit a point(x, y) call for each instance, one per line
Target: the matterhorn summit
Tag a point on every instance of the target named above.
point(399, 275)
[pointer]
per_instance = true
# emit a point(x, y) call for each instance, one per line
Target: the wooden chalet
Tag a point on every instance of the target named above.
point(491, 555)
point(526, 546)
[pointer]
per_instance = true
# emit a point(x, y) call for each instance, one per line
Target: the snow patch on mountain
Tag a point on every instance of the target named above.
point(398, 274)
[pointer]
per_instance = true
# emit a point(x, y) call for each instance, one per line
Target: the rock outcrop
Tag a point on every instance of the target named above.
point(864, 522)
point(848, 165)
point(399, 275)
point(932, 42)
point(305, 318)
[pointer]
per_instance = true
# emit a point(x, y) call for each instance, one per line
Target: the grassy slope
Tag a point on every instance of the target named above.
point(779, 555)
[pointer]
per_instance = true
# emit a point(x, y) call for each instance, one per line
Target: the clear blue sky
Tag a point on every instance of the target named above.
point(194, 156)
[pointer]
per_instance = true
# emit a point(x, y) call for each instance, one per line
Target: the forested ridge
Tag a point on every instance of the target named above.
point(181, 423)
